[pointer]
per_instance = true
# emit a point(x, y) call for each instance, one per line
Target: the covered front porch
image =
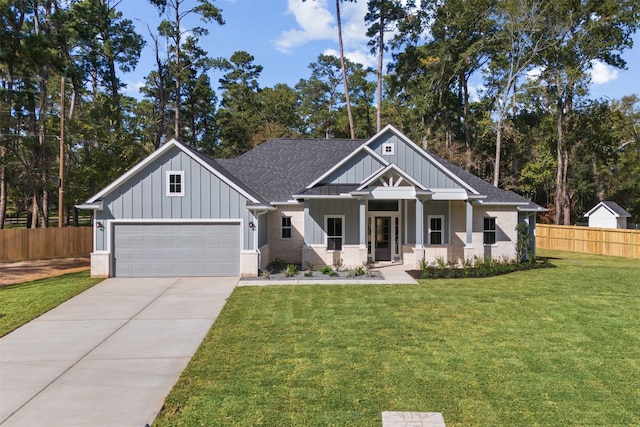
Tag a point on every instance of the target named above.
point(390, 219)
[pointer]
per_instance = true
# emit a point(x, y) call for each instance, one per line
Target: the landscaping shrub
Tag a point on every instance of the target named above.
point(290, 271)
point(277, 264)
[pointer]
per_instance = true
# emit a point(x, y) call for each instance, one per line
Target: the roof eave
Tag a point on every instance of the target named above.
point(95, 206)
point(536, 209)
point(261, 208)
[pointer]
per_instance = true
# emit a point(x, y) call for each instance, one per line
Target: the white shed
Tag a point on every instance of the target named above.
point(607, 215)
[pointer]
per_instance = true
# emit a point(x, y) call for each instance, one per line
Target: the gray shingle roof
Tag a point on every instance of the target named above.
point(279, 168)
point(217, 166)
point(493, 194)
point(613, 207)
point(616, 208)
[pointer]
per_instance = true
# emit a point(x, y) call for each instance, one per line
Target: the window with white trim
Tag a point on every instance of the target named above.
point(436, 229)
point(388, 149)
point(175, 183)
point(286, 227)
point(334, 228)
point(489, 231)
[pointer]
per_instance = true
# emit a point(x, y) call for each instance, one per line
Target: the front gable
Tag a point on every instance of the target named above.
point(414, 165)
point(145, 195)
point(206, 194)
point(395, 148)
point(174, 148)
point(391, 183)
point(355, 169)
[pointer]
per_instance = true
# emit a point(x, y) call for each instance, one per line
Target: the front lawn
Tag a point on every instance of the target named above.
point(550, 347)
point(24, 302)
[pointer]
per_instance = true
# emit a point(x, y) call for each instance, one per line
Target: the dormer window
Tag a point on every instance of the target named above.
point(175, 183)
point(388, 149)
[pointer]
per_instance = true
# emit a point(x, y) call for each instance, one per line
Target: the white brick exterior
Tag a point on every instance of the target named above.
point(249, 263)
point(100, 264)
point(289, 250)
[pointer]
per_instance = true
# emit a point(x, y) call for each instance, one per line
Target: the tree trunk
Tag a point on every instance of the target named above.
point(34, 211)
point(44, 176)
point(3, 187)
point(380, 63)
point(558, 199)
point(465, 114)
point(566, 197)
point(162, 102)
point(177, 75)
point(496, 163)
point(3, 152)
point(344, 73)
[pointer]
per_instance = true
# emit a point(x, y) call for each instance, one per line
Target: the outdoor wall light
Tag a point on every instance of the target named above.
point(99, 225)
point(252, 225)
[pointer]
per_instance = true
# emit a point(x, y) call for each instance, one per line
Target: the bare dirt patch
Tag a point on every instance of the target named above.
point(25, 271)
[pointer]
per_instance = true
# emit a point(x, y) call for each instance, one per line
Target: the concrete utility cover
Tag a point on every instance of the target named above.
point(412, 419)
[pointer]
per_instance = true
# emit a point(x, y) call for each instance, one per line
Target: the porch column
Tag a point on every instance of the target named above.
point(307, 256)
point(418, 250)
point(362, 232)
point(419, 224)
point(363, 224)
point(469, 240)
point(468, 247)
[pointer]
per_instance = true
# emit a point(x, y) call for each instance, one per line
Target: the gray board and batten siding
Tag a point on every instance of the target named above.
point(409, 158)
point(314, 216)
point(143, 197)
point(355, 170)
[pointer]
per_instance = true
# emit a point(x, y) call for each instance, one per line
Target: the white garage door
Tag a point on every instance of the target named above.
point(163, 250)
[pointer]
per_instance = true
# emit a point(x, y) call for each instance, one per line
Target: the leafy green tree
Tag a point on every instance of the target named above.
point(172, 28)
point(103, 41)
point(343, 68)
point(278, 114)
point(238, 117)
point(321, 97)
point(580, 32)
point(519, 40)
point(381, 17)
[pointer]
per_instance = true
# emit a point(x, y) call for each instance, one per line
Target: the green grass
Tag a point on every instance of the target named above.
point(24, 302)
point(548, 347)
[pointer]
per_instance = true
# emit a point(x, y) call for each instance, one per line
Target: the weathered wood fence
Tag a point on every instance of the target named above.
point(604, 241)
point(39, 243)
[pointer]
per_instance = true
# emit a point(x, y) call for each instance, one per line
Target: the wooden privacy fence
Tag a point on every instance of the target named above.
point(38, 243)
point(604, 241)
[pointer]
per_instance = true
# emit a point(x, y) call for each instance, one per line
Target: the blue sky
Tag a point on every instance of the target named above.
point(285, 36)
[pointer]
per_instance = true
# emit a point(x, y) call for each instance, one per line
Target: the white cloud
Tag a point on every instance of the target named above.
point(132, 88)
point(534, 73)
point(356, 56)
point(354, 29)
point(602, 73)
point(315, 22)
point(475, 92)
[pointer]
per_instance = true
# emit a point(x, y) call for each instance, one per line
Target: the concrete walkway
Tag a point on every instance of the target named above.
point(392, 274)
point(109, 356)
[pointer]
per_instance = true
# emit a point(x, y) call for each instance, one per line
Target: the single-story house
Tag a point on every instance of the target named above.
point(318, 201)
point(607, 214)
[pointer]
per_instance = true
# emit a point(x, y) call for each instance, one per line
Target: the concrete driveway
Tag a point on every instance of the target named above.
point(109, 356)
